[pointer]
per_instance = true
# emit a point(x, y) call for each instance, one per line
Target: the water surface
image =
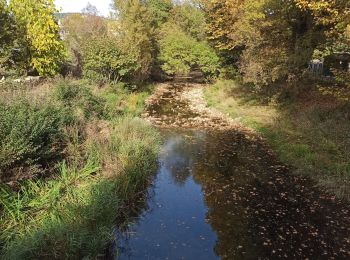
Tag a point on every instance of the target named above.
point(224, 195)
point(220, 195)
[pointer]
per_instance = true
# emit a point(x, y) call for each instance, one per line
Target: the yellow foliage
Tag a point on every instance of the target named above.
point(36, 17)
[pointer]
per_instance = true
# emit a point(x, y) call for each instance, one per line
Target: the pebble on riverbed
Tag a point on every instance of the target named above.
point(186, 108)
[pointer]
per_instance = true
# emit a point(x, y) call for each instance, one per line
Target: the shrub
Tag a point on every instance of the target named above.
point(120, 100)
point(29, 136)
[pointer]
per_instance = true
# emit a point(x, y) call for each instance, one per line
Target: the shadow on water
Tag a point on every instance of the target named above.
point(221, 195)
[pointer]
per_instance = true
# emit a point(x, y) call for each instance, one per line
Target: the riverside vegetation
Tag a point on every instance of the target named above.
point(72, 158)
point(74, 151)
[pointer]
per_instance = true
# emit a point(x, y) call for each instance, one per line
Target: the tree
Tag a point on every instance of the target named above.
point(13, 48)
point(191, 19)
point(36, 21)
point(180, 53)
point(90, 10)
point(79, 30)
point(6, 34)
point(137, 35)
point(274, 40)
point(104, 59)
point(159, 10)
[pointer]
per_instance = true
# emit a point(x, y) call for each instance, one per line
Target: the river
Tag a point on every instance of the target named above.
point(220, 193)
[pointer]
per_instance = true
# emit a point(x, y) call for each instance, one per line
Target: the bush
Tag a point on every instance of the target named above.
point(120, 100)
point(29, 136)
point(72, 212)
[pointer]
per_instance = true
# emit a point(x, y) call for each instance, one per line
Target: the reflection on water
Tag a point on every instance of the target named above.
point(220, 195)
point(174, 226)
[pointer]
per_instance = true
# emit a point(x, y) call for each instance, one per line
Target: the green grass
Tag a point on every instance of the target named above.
point(310, 133)
point(71, 211)
point(121, 100)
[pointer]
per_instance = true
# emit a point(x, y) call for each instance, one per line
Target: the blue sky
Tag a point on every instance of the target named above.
point(71, 6)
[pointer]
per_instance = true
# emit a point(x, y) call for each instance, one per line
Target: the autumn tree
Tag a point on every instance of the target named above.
point(255, 32)
point(273, 40)
point(332, 16)
point(37, 22)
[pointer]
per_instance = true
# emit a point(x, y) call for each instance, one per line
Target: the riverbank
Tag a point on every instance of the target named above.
point(310, 134)
point(73, 157)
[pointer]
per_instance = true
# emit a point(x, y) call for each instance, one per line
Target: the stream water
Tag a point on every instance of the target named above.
point(222, 195)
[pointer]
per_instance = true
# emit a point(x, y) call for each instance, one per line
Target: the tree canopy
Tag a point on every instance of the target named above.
point(266, 41)
point(274, 39)
point(180, 53)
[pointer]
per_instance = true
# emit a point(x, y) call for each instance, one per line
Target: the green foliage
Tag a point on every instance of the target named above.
point(111, 101)
point(71, 212)
point(180, 53)
point(13, 49)
point(160, 10)
point(191, 19)
point(105, 59)
point(36, 21)
point(6, 34)
point(137, 35)
point(120, 101)
point(32, 130)
point(79, 31)
point(29, 137)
